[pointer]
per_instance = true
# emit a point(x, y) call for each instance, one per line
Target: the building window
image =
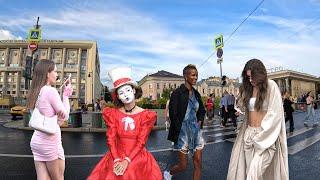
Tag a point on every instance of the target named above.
point(150, 86)
point(8, 92)
point(13, 92)
point(14, 58)
point(24, 57)
point(43, 54)
point(158, 86)
point(83, 62)
point(57, 56)
point(2, 57)
point(72, 58)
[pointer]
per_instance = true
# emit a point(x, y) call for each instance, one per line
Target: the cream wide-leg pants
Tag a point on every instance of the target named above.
point(256, 161)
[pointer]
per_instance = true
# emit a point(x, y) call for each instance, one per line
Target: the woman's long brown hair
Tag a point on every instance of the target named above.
point(259, 75)
point(39, 79)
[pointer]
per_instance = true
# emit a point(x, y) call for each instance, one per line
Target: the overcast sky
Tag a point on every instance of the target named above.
point(153, 35)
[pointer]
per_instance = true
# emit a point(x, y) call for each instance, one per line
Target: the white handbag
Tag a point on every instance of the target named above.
point(42, 123)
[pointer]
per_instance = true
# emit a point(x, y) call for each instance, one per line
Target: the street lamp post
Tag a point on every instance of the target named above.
point(90, 75)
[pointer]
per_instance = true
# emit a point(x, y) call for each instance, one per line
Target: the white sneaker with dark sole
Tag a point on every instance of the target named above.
point(167, 175)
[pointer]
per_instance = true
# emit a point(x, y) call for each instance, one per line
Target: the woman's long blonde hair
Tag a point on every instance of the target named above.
point(39, 79)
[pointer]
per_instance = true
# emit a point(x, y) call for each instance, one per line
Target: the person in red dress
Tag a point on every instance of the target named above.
point(128, 128)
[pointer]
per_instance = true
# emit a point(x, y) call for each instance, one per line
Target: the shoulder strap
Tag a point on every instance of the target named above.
point(37, 102)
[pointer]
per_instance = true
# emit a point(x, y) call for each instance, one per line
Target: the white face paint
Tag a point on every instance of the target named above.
point(126, 94)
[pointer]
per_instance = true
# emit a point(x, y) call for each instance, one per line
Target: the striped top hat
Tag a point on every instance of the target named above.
point(121, 76)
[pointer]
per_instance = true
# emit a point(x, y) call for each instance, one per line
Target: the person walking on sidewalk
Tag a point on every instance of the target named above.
point(128, 128)
point(260, 149)
point(209, 106)
point(288, 109)
point(229, 110)
point(311, 116)
point(223, 114)
point(47, 150)
point(186, 111)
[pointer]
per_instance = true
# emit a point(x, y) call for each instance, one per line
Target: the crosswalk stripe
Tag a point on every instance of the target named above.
point(216, 129)
point(222, 134)
point(290, 135)
point(303, 144)
point(298, 132)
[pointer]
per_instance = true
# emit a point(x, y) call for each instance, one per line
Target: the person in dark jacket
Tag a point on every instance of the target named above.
point(288, 110)
point(186, 112)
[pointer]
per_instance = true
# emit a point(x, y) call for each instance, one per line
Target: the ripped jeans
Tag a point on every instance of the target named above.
point(256, 161)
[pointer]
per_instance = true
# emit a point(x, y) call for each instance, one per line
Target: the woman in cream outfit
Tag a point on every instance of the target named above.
point(260, 150)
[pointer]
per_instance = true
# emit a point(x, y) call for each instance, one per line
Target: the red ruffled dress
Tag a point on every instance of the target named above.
point(126, 137)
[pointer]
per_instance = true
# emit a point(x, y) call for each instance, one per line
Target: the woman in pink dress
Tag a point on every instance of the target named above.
point(128, 128)
point(47, 149)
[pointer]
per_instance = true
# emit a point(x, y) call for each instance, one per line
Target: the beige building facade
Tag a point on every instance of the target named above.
point(80, 58)
point(296, 83)
point(213, 85)
point(153, 85)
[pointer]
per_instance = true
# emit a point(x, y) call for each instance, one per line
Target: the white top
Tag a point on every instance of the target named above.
point(252, 101)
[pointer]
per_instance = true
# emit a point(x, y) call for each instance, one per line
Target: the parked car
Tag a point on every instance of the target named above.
point(17, 111)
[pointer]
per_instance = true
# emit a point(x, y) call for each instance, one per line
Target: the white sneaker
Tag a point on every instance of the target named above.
point(167, 175)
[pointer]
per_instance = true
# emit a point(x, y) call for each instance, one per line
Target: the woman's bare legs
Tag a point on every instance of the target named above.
point(56, 169)
point(41, 170)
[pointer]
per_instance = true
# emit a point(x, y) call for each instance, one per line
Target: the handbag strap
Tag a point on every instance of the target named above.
point(37, 102)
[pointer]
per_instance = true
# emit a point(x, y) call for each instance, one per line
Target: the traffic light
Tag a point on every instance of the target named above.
point(27, 71)
point(35, 62)
point(223, 80)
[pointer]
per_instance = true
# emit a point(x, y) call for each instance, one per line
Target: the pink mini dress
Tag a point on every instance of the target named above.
point(48, 147)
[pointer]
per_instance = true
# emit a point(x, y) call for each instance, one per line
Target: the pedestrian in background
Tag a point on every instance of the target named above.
point(288, 109)
point(186, 111)
point(47, 150)
point(229, 101)
point(166, 114)
point(311, 116)
point(210, 106)
point(260, 149)
point(223, 113)
point(102, 104)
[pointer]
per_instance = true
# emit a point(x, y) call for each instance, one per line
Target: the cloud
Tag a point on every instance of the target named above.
point(317, 2)
point(149, 43)
point(7, 35)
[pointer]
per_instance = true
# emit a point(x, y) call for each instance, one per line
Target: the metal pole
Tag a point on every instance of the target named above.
point(37, 25)
point(221, 78)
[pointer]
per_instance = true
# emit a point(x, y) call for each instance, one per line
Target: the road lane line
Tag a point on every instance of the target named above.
point(298, 132)
point(222, 134)
point(303, 144)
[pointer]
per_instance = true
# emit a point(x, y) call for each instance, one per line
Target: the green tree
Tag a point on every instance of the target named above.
point(166, 93)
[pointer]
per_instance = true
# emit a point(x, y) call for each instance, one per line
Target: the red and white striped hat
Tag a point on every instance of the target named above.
point(121, 76)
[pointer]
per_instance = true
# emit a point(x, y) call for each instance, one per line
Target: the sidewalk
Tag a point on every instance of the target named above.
point(19, 124)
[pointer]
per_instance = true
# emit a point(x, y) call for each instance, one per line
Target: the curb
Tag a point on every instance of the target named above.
point(20, 126)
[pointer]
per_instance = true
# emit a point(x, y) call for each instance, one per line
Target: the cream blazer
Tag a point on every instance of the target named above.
point(273, 131)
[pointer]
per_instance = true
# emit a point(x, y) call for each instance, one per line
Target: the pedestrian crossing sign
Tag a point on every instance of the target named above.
point(218, 42)
point(34, 35)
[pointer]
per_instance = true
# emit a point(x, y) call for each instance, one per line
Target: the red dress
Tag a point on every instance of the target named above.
point(126, 137)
